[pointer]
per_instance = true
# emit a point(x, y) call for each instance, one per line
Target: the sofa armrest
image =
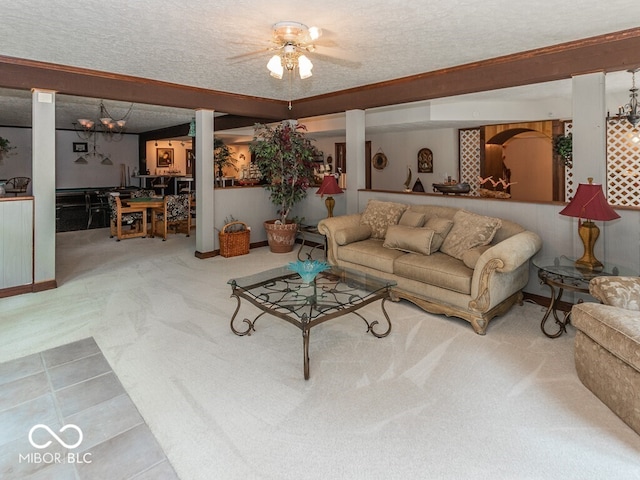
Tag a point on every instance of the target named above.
point(329, 226)
point(501, 269)
point(623, 292)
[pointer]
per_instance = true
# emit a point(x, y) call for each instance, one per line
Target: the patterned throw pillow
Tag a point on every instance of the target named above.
point(623, 292)
point(469, 230)
point(379, 215)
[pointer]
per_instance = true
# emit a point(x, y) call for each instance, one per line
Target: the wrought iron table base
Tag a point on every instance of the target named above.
point(305, 325)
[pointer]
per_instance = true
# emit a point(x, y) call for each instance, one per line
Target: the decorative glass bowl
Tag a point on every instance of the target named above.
point(308, 269)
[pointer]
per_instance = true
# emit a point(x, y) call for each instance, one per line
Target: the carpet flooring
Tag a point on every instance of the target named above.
point(432, 400)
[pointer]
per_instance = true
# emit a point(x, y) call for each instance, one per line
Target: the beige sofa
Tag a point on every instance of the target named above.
point(607, 345)
point(437, 268)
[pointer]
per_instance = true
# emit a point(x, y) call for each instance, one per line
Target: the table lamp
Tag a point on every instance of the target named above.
point(589, 203)
point(329, 187)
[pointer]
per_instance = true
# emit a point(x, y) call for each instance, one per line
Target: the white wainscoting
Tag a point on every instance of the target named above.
point(16, 242)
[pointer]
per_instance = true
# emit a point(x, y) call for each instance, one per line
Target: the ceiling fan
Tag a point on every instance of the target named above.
point(290, 44)
point(292, 40)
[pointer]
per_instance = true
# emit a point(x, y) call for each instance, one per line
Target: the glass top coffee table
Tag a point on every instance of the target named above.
point(334, 293)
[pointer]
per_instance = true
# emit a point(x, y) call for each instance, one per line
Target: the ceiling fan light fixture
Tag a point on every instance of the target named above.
point(314, 33)
point(304, 67)
point(275, 67)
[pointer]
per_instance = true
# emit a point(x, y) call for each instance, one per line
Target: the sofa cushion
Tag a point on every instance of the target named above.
point(471, 256)
point(469, 230)
point(409, 239)
point(412, 219)
point(379, 215)
point(437, 269)
point(370, 253)
point(623, 292)
point(441, 228)
point(352, 234)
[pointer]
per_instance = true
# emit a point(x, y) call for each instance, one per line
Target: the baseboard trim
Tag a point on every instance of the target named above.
point(546, 301)
point(30, 288)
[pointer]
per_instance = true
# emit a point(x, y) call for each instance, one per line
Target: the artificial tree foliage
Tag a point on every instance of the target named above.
point(284, 156)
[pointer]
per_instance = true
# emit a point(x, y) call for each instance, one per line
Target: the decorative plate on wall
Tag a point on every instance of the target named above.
point(379, 161)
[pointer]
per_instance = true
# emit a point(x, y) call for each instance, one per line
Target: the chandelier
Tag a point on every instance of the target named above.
point(110, 128)
point(293, 39)
point(630, 110)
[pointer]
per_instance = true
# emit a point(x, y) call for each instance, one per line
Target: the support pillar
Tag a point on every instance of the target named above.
point(355, 134)
point(205, 238)
point(43, 183)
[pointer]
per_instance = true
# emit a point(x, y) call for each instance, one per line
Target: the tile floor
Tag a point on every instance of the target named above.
point(73, 384)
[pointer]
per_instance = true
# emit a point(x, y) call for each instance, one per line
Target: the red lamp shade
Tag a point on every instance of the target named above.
point(589, 203)
point(329, 187)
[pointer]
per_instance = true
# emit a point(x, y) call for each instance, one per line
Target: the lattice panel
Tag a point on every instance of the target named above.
point(470, 158)
point(569, 182)
point(623, 163)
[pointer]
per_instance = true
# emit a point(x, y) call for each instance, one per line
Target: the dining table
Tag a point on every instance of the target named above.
point(145, 202)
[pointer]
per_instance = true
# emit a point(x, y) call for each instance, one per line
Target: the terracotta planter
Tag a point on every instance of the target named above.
point(281, 237)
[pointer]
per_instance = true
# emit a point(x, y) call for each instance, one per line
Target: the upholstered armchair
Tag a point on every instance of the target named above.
point(607, 345)
point(133, 217)
point(176, 212)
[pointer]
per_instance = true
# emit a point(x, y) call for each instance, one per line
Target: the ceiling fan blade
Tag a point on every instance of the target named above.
point(249, 54)
point(344, 62)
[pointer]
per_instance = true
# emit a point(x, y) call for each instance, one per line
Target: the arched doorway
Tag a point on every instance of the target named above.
point(522, 154)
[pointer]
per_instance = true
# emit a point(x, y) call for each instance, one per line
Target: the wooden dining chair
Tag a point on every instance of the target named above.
point(133, 217)
point(175, 212)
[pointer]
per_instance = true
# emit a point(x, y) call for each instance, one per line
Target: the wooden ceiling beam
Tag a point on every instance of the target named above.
point(27, 74)
point(605, 53)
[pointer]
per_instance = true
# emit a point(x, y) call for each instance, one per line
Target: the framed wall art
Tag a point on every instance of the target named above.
point(165, 157)
point(80, 147)
point(425, 161)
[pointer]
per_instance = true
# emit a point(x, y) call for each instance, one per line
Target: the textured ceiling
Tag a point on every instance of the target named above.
point(363, 42)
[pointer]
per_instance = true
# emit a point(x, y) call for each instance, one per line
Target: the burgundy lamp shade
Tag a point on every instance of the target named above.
point(589, 203)
point(329, 187)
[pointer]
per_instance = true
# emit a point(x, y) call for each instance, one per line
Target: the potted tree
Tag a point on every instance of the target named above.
point(284, 156)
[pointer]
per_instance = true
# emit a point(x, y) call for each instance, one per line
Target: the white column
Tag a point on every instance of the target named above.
point(589, 128)
point(355, 133)
point(589, 145)
point(44, 184)
point(205, 239)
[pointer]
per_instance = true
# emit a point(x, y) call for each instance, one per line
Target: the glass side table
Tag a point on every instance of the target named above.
point(307, 232)
point(562, 274)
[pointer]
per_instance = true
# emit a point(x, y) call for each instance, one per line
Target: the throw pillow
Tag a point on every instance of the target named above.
point(412, 219)
point(353, 234)
point(471, 256)
point(469, 230)
point(622, 292)
point(409, 239)
point(441, 227)
point(379, 215)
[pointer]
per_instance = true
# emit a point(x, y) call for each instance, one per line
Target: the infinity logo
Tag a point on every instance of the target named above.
point(52, 433)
